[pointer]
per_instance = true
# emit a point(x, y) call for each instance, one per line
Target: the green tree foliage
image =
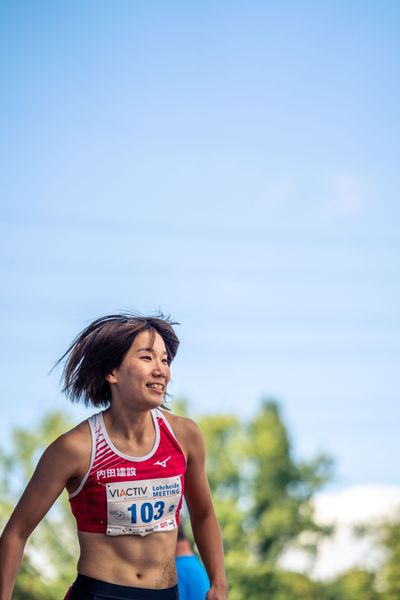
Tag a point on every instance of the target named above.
point(281, 488)
point(49, 564)
point(256, 582)
point(354, 584)
point(263, 501)
point(388, 535)
point(384, 582)
point(225, 452)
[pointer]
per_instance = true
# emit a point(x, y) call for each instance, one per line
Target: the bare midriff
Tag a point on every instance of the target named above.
point(146, 562)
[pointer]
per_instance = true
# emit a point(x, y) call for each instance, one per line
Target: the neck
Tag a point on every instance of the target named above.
point(128, 422)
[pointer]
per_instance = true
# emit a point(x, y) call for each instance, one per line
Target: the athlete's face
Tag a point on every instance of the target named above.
point(143, 375)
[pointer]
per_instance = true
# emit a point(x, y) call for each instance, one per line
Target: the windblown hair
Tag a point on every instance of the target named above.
point(101, 348)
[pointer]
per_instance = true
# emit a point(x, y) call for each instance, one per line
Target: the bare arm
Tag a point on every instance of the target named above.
point(204, 522)
point(61, 462)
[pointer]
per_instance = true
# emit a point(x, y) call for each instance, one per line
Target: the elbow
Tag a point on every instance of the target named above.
point(206, 514)
point(14, 535)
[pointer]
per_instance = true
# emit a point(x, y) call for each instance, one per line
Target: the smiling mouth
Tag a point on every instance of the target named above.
point(159, 387)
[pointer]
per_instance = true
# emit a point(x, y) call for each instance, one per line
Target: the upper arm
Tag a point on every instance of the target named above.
point(60, 462)
point(197, 490)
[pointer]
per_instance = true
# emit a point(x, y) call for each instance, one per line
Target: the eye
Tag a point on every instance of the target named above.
point(145, 357)
point(165, 361)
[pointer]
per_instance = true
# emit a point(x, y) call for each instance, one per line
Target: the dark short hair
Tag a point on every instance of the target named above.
point(101, 348)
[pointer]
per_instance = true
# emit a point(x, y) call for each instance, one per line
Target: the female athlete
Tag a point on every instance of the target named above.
point(126, 470)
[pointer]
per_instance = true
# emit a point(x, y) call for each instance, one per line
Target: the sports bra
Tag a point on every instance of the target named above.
point(126, 495)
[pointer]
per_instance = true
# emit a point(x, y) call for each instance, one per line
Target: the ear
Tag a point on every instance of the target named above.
point(111, 378)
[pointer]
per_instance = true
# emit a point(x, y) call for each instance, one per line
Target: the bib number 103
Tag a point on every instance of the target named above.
point(147, 512)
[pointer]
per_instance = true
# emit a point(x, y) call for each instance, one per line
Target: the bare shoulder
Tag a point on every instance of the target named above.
point(186, 430)
point(182, 425)
point(75, 440)
point(60, 465)
point(72, 449)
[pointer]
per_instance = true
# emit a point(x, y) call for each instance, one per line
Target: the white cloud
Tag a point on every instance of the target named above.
point(358, 505)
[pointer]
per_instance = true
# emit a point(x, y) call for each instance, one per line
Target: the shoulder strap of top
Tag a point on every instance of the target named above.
point(160, 415)
point(94, 426)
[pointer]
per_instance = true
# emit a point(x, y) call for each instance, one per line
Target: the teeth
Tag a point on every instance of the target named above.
point(156, 386)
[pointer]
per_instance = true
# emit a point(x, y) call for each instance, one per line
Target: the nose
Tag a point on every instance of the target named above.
point(160, 369)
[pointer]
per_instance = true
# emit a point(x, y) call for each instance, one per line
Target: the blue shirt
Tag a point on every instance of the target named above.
point(193, 583)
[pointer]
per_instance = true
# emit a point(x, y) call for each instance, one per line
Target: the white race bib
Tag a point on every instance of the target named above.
point(141, 507)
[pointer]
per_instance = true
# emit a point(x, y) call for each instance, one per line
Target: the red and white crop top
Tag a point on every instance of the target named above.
point(121, 494)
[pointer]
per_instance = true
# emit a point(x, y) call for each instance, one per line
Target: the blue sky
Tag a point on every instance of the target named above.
point(234, 164)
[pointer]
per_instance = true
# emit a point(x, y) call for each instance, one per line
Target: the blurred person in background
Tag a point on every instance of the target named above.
point(125, 468)
point(193, 582)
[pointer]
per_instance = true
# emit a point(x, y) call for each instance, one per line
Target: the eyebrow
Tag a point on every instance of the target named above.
point(148, 350)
